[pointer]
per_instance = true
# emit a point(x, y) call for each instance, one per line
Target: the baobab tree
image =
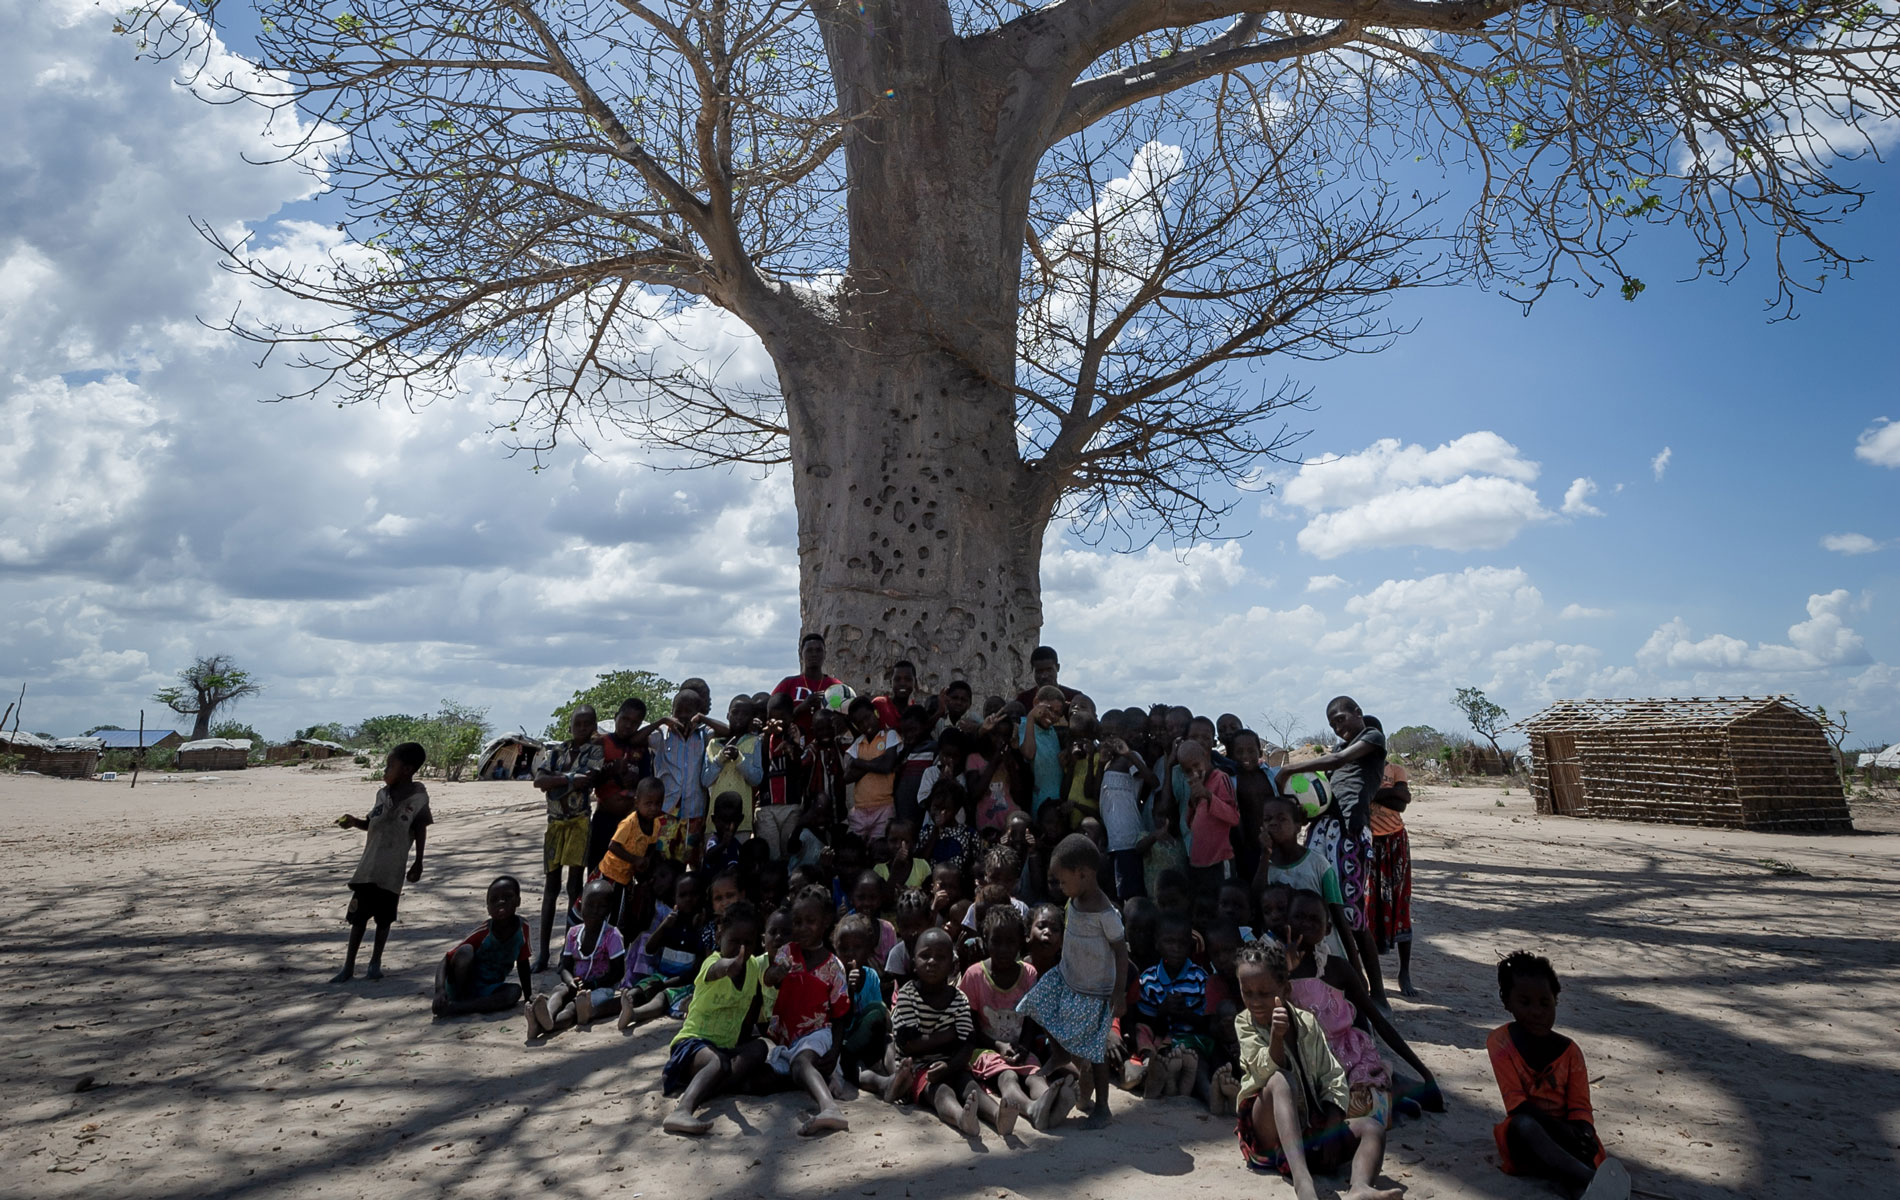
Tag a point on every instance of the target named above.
point(211, 682)
point(1014, 264)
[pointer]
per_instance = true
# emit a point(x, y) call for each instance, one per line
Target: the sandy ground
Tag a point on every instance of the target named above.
point(1735, 995)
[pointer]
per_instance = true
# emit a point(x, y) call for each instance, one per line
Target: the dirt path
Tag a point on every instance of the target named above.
point(1735, 995)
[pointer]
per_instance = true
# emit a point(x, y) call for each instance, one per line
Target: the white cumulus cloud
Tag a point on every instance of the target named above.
point(1324, 583)
point(1472, 493)
point(1660, 463)
point(1849, 543)
point(1879, 443)
point(1577, 499)
point(1823, 640)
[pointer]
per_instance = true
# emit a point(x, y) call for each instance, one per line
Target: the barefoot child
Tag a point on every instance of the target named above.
point(807, 1017)
point(593, 960)
point(1334, 993)
point(399, 816)
point(473, 977)
point(1549, 1128)
point(633, 852)
point(1078, 999)
point(707, 1054)
point(867, 1032)
point(674, 951)
point(1171, 1016)
point(931, 1028)
point(1293, 1094)
point(567, 781)
point(1005, 1071)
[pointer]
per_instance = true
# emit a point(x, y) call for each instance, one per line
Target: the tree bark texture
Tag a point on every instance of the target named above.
point(920, 526)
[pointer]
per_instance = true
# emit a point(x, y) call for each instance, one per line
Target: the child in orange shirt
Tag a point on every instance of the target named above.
point(1549, 1128)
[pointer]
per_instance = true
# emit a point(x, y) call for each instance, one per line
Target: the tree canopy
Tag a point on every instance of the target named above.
point(608, 692)
point(210, 683)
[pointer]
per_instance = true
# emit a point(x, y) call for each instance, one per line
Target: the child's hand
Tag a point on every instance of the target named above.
point(854, 978)
point(1119, 1003)
point(730, 753)
point(343, 822)
point(935, 1074)
point(1280, 1023)
point(415, 872)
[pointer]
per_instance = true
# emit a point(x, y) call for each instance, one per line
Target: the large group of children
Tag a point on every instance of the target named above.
point(995, 914)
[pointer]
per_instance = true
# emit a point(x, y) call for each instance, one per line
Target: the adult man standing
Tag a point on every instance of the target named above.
point(807, 688)
point(1044, 666)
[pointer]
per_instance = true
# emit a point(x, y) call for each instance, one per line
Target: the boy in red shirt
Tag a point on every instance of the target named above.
point(1211, 817)
point(1549, 1128)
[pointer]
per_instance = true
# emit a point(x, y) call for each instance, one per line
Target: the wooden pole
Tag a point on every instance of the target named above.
point(138, 755)
point(19, 707)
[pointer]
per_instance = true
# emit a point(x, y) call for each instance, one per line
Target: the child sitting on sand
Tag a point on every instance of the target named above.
point(707, 1054)
point(868, 1029)
point(1170, 1016)
point(1293, 1094)
point(473, 977)
point(399, 816)
point(813, 1001)
point(1004, 1069)
point(673, 951)
point(931, 1028)
point(1549, 1128)
point(593, 960)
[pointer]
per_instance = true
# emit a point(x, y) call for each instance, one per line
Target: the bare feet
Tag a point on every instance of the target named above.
point(584, 1006)
point(1098, 1117)
point(970, 1121)
point(1187, 1065)
point(540, 964)
point(826, 1120)
point(343, 976)
point(1053, 1106)
point(540, 1015)
point(534, 1024)
point(836, 1084)
point(626, 1010)
point(686, 1124)
point(375, 970)
point(1305, 1191)
point(1371, 1193)
point(1405, 984)
point(1222, 1095)
point(1006, 1114)
point(901, 1080)
point(1133, 1073)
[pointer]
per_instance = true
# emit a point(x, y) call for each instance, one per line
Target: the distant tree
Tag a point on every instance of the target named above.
point(100, 728)
point(380, 733)
point(1834, 725)
point(610, 690)
point(1416, 739)
point(240, 731)
point(1486, 717)
point(210, 683)
point(1282, 726)
point(328, 731)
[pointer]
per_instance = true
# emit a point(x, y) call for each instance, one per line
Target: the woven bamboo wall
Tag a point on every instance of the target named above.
point(298, 752)
point(63, 764)
point(212, 760)
point(1787, 774)
point(1664, 775)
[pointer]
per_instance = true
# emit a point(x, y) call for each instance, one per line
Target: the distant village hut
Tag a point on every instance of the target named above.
point(510, 756)
point(1740, 762)
point(304, 750)
point(128, 739)
point(64, 758)
point(215, 754)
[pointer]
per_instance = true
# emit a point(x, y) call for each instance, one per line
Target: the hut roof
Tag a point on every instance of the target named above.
point(316, 742)
point(243, 744)
point(39, 743)
point(128, 739)
point(1890, 757)
point(1659, 712)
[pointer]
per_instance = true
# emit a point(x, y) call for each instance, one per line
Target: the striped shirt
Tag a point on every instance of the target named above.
point(913, 1017)
point(1157, 987)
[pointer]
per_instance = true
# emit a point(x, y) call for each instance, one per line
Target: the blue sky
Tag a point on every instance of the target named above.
point(369, 561)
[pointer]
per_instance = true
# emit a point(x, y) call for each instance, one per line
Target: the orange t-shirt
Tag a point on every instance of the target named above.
point(1386, 821)
point(635, 841)
point(1560, 1090)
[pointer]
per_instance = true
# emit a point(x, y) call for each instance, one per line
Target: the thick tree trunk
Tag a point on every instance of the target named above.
point(201, 726)
point(911, 543)
point(920, 527)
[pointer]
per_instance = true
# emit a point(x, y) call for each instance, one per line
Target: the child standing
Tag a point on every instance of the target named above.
point(593, 960)
point(1041, 748)
point(780, 810)
point(399, 817)
point(1124, 778)
point(473, 977)
point(1549, 1128)
point(633, 853)
point(567, 780)
point(1211, 817)
point(1302, 868)
point(1078, 1000)
point(872, 765)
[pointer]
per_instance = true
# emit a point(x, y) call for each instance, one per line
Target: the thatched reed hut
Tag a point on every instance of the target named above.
point(304, 750)
point(510, 756)
point(65, 758)
point(215, 754)
point(1737, 761)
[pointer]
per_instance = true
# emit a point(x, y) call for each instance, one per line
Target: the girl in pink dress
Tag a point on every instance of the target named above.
point(1004, 1074)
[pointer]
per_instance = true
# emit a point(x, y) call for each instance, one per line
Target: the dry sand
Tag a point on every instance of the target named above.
point(1735, 995)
